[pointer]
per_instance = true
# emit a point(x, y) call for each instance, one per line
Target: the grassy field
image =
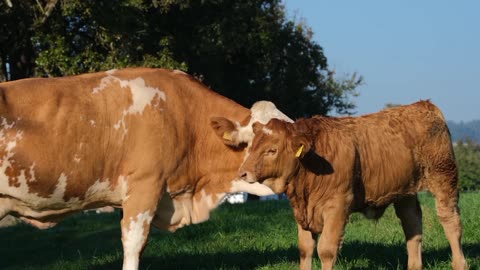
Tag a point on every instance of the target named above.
point(259, 235)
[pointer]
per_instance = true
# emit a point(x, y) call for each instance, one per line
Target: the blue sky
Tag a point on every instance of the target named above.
point(405, 50)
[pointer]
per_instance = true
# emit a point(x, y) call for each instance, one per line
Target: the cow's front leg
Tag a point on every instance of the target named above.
point(138, 212)
point(306, 245)
point(335, 218)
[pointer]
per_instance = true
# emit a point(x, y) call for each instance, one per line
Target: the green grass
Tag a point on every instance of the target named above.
point(259, 235)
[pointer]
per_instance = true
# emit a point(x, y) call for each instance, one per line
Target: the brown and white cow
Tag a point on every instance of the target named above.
point(141, 139)
point(331, 167)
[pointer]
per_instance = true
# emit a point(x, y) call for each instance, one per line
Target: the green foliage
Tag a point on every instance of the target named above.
point(468, 159)
point(257, 235)
point(245, 50)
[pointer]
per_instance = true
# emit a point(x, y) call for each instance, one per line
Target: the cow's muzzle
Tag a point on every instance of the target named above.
point(247, 176)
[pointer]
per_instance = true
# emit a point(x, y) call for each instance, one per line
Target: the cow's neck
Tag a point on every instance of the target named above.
point(206, 172)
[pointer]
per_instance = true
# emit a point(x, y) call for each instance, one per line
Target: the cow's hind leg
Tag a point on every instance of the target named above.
point(306, 246)
point(410, 214)
point(446, 201)
point(138, 212)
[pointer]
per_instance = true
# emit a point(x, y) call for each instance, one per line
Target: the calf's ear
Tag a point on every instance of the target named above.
point(300, 145)
point(226, 130)
point(257, 127)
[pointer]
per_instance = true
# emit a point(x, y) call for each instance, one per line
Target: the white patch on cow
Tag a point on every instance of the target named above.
point(9, 139)
point(32, 173)
point(103, 83)
point(5, 125)
point(32, 204)
point(100, 191)
point(267, 131)
point(103, 191)
point(122, 185)
point(11, 145)
point(97, 190)
point(142, 96)
point(60, 188)
point(252, 188)
point(111, 71)
point(177, 71)
point(133, 238)
point(262, 112)
point(92, 122)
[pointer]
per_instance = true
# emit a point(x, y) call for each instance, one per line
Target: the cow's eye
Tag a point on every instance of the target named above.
point(271, 151)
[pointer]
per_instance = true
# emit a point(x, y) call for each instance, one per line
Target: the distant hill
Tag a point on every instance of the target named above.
point(464, 130)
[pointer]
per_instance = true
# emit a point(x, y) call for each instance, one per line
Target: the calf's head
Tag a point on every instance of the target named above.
point(274, 154)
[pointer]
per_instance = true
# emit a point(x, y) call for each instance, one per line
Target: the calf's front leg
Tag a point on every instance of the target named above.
point(332, 236)
point(306, 245)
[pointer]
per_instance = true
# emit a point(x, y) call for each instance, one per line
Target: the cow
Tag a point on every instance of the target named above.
point(330, 167)
point(144, 140)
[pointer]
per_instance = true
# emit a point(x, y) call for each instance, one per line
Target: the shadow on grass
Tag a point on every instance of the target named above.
point(219, 260)
point(378, 255)
point(395, 256)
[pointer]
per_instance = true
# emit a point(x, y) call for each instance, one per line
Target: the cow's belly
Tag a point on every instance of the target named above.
point(19, 201)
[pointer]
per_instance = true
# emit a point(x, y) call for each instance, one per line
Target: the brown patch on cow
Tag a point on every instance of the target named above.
point(13, 173)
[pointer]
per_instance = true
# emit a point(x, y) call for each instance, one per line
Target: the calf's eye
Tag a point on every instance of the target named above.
point(271, 151)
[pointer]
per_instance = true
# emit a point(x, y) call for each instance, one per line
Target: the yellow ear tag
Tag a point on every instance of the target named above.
point(227, 135)
point(299, 151)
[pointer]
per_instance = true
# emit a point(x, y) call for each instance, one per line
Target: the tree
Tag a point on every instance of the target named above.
point(391, 105)
point(467, 154)
point(245, 50)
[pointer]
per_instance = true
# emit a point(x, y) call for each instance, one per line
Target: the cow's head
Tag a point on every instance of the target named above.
point(274, 155)
point(234, 133)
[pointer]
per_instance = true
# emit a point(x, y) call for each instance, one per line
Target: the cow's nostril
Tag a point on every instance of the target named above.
point(243, 175)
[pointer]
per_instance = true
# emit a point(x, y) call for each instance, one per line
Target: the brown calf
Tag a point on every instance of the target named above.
point(331, 167)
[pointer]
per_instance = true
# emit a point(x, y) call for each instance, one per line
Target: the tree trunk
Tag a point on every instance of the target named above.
point(21, 63)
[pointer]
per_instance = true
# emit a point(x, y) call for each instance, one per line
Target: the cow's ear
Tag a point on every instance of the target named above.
point(300, 145)
point(226, 130)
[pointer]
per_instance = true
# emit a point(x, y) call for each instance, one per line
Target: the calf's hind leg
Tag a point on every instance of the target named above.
point(446, 202)
point(410, 214)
